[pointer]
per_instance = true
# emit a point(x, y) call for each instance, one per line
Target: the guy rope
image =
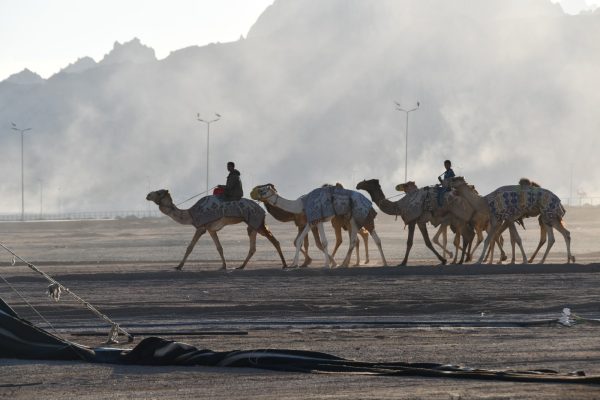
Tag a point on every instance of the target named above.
point(55, 289)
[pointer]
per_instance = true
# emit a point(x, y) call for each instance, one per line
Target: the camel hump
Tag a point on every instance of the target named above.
point(325, 202)
point(210, 209)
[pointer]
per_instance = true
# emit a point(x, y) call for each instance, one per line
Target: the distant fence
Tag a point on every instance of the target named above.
point(65, 216)
point(581, 201)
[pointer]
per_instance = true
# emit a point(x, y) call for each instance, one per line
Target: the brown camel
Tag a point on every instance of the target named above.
point(248, 212)
point(508, 204)
point(454, 212)
point(410, 208)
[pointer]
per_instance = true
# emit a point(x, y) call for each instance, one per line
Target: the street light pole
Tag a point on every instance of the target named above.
point(41, 196)
point(398, 108)
point(208, 122)
point(22, 131)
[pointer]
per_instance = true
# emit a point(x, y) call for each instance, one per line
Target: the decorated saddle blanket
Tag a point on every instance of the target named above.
point(323, 203)
point(412, 205)
point(512, 202)
point(210, 209)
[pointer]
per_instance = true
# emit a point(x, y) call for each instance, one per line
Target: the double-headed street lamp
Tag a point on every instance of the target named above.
point(398, 108)
point(208, 122)
point(22, 131)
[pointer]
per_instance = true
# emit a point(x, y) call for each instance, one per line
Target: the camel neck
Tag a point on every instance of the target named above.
point(385, 205)
point(177, 215)
point(474, 200)
point(293, 206)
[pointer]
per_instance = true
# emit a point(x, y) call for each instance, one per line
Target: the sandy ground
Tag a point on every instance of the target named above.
point(464, 314)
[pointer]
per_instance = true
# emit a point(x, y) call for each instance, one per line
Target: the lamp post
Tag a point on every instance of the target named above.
point(22, 131)
point(208, 122)
point(398, 108)
point(41, 196)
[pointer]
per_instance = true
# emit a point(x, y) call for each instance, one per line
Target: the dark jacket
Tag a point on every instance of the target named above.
point(233, 187)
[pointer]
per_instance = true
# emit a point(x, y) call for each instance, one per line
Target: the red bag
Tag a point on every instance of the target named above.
point(218, 191)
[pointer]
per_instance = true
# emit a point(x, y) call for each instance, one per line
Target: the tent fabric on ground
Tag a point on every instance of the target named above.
point(21, 339)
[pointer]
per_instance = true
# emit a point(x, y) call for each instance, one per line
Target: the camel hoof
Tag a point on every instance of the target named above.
point(573, 259)
point(179, 267)
point(503, 257)
point(241, 267)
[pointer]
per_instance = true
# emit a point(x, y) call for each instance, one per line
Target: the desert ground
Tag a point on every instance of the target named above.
point(459, 314)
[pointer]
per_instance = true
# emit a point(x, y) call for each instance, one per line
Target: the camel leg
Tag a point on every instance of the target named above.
point(199, 232)
point(542, 240)
point(215, 239)
point(377, 241)
point(319, 245)
point(409, 242)
point(567, 236)
point(456, 243)
point(515, 237)
point(298, 244)
point(307, 258)
point(498, 239)
point(266, 232)
point(442, 231)
point(479, 240)
point(338, 236)
point(252, 249)
point(423, 229)
point(365, 236)
point(353, 242)
point(551, 241)
point(356, 248)
point(494, 229)
point(324, 243)
point(468, 234)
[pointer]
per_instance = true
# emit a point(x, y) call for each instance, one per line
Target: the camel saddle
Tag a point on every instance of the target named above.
point(325, 202)
point(509, 202)
point(210, 209)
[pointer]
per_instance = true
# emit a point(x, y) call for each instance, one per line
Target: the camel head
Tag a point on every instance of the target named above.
point(160, 197)
point(368, 185)
point(262, 192)
point(406, 187)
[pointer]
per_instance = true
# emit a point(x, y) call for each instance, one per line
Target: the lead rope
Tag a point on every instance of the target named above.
point(196, 195)
point(56, 289)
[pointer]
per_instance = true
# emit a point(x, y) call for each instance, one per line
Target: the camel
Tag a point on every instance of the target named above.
point(213, 218)
point(410, 208)
point(337, 222)
point(447, 221)
point(507, 204)
point(353, 204)
point(454, 212)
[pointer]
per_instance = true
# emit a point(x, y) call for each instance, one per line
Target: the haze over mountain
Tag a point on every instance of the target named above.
point(508, 88)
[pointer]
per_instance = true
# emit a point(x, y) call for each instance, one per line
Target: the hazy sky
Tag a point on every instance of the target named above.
point(45, 36)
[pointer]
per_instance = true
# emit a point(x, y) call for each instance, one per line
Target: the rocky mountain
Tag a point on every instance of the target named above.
point(507, 88)
point(25, 77)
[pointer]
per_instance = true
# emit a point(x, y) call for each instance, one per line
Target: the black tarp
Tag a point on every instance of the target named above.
point(21, 339)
